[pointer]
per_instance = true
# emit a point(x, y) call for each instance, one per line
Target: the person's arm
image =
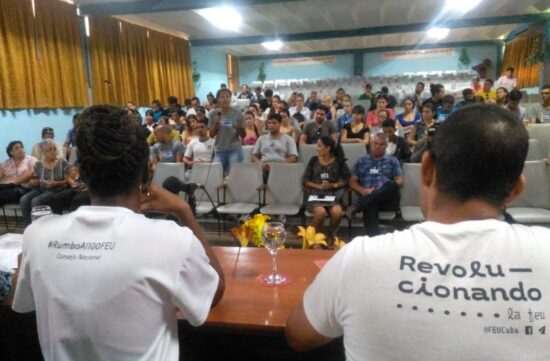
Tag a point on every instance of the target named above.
point(215, 127)
point(257, 158)
point(303, 138)
point(180, 153)
point(161, 200)
point(399, 181)
point(300, 335)
point(354, 185)
point(411, 137)
point(291, 159)
point(366, 137)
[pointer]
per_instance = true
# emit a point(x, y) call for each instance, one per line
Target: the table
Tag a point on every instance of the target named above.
point(248, 305)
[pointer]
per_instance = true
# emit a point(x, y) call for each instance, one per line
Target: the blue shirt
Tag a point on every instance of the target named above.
point(406, 123)
point(442, 114)
point(343, 120)
point(374, 173)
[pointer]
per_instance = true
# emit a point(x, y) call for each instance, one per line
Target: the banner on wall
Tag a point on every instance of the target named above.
point(330, 59)
point(424, 53)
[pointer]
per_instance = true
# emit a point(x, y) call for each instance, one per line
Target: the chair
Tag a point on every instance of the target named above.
point(534, 152)
point(13, 207)
point(410, 202)
point(243, 179)
point(541, 132)
point(247, 153)
point(306, 152)
point(284, 189)
point(210, 177)
point(533, 205)
point(165, 170)
point(353, 152)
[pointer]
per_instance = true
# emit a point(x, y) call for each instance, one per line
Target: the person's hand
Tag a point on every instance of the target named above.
point(366, 191)
point(160, 200)
point(265, 167)
point(48, 183)
point(34, 182)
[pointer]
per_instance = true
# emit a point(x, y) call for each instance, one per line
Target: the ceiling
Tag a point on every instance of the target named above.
point(324, 25)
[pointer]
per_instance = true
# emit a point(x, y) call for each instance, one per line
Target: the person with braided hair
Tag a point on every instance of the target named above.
point(105, 281)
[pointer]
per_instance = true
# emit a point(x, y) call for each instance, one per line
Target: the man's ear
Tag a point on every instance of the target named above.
point(516, 191)
point(427, 170)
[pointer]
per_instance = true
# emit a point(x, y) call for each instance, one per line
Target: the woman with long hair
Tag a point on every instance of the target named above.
point(325, 179)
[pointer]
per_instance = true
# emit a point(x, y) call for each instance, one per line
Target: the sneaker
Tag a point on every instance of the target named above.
point(350, 211)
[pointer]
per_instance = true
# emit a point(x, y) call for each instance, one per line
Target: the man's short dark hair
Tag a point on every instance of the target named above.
point(323, 107)
point(490, 81)
point(479, 152)
point(388, 123)
point(421, 83)
point(268, 93)
point(546, 86)
point(449, 99)
point(358, 109)
point(10, 146)
point(173, 100)
point(515, 95)
point(274, 116)
point(385, 90)
point(46, 130)
point(224, 90)
point(467, 92)
point(257, 88)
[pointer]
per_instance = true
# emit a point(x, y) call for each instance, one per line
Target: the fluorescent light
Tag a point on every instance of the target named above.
point(223, 17)
point(461, 6)
point(437, 33)
point(87, 26)
point(273, 45)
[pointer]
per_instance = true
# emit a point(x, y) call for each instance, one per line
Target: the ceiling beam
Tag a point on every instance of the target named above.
point(157, 6)
point(456, 44)
point(377, 30)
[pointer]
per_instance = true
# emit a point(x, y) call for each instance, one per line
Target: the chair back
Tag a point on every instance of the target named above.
point(534, 152)
point(210, 176)
point(247, 153)
point(165, 170)
point(284, 184)
point(306, 152)
point(410, 194)
point(353, 152)
point(541, 132)
point(537, 192)
point(243, 181)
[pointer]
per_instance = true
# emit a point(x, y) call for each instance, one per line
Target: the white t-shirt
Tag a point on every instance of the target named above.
point(106, 284)
point(508, 83)
point(475, 290)
point(200, 151)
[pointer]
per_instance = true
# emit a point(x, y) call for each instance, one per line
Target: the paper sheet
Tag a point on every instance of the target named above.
point(314, 198)
point(10, 247)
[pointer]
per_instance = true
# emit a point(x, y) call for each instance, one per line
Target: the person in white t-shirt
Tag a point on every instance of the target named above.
point(200, 149)
point(105, 281)
point(507, 80)
point(460, 286)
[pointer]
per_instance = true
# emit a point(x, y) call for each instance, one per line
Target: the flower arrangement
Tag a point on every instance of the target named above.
point(311, 238)
point(250, 231)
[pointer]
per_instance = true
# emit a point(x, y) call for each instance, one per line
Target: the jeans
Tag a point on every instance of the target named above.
point(35, 197)
point(226, 157)
point(384, 198)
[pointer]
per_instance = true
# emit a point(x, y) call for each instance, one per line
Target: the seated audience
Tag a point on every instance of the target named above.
point(267, 101)
point(331, 105)
point(251, 131)
point(245, 93)
point(344, 115)
point(143, 274)
point(72, 197)
point(326, 176)
point(420, 130)
point(166, 150)
point(376, 178)
point(514, 98)
point(391, 297)
point(289, 125)
point(70, 138)
point(152, 138)
point(149, 124)
point(15, 173)
point(423, 144)
point(367, 93)
point(507, 80)
point(158, 110)
point(210, 101)
point(133, 108)
point(50, 176)
point(468, 98)
point(488, 93)
point(409, 117)
point(313, 102)
point(274, 146)
point(200, 150)
point(397, 146)
point(321, 126)
point(201, 114)
point(300, 108)
point(438, 92)
point(227, 127)
point(502, 97)
point(189, 133)
point(392, 102)
point(47, 133)
point(257, 94)
point(417, 96)
point(540, 113)
point(356, 131)
point(178, 119)
point(476, 84)
point(174, 105)
point(292, 100)
point(372, 116)
point(446, 108)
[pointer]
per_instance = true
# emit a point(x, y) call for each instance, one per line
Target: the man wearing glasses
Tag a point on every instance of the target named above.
point(321, 126)
point(540, 113)
point(47, 133)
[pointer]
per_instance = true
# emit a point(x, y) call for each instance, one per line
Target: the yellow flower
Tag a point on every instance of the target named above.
point(338, 243)
point(310, 237)
point(251, 230)
point(240, 235)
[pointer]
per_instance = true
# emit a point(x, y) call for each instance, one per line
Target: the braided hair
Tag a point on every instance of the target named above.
point(112, 151)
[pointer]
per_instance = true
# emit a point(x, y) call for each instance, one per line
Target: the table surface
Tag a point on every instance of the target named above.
point(249, 305)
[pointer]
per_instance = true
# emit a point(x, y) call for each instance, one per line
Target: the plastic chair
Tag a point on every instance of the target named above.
point(243, 179)
point(534, 152)
point(306, 152)
point(353, 152)
point(209, 176)
point(165, 170)
point(247, 153)
point(284, 189)
point(410, 201)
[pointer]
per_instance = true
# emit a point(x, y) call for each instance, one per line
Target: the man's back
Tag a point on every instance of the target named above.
point(475, 290)
point(106, 283)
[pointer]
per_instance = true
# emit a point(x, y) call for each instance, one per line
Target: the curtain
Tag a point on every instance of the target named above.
point(131, 63)
point(41, 62)
point(524, 55)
